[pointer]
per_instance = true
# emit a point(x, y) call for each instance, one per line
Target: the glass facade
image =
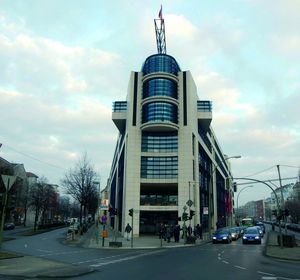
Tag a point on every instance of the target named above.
point(159, 142)
point(160, 63)
point(160, 87)
point(159, 200)
point(160, 112)
point(159, 167)
point(120, 106)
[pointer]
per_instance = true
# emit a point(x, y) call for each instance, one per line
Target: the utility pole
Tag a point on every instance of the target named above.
point(282, 198)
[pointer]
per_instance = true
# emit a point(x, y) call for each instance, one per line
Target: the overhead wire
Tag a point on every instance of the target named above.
point(29, 156)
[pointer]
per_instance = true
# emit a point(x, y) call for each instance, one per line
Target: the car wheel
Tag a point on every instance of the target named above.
point(214, 242)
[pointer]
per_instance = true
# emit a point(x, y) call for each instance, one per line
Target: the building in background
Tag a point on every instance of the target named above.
point(167, 160)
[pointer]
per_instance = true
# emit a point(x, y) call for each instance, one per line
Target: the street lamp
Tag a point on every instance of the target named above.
point(237, 200)
point(210, 192)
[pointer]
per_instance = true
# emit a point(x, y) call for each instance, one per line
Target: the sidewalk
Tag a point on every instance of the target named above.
point(140, 242)
point(273, 249)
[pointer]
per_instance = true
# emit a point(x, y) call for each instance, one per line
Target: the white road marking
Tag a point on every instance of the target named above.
point(45, 251)
point(127, 258)
point(240, 267)
point(98, 259)
point(284, 278)
point(45, 238)
point(61, 253)
point(265, 273)
point(25, 245)
point(268, 278)
point(225, 262)
point(219, 258)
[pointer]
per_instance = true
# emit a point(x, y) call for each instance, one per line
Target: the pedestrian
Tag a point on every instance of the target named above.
point(128, 229)
point(176, 233)
point(168, 233)
point(199, 230)
point(190, 230)
point(273, 226)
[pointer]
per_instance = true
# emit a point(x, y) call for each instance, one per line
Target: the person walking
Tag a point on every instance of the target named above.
point(176, 233)
point(128, 229)
point(199, 230)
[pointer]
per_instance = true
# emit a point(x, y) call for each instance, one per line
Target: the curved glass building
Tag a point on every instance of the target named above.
point(166, 153)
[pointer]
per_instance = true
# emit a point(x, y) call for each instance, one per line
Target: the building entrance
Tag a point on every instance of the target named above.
point(150, 220)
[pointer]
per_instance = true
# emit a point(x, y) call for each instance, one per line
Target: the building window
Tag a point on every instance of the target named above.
point(160, 63)
point(160, 112)
point(160, 87)
point(159, 142)
point(159, 167)
point(159, 200)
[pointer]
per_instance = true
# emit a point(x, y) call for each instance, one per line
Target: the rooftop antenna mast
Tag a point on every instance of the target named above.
point(160, 33)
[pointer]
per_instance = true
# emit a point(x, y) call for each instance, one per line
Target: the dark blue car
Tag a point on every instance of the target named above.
point(251, 235)
point(222, 235)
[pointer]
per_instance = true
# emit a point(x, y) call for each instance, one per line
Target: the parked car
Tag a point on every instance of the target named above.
point(222, 235)
point(8, 226)
point(251, 235)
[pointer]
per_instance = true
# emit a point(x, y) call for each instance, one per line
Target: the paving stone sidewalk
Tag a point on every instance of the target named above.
point(285, 253)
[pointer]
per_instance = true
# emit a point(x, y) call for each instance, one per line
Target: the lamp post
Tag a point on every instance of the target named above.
point(237, 200)
point(98, 211)
point(210, 191)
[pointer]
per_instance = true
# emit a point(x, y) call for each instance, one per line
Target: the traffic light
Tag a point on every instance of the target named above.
point(286, 212)
point(11, 201)
point(179, 219)
point(184, 216)
point(192, 213)
point(234, 187)
point(131, 212)
point(113, 211)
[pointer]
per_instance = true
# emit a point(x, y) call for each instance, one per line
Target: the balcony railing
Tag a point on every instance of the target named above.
point(119, 106)
point(204, 106)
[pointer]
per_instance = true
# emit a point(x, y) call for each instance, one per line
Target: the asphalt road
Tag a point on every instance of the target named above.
point(211, 261)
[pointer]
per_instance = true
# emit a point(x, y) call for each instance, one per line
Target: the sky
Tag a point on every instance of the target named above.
point(63, 64)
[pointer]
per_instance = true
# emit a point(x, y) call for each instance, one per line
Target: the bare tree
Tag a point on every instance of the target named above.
point(79, 183)
point(37, 198)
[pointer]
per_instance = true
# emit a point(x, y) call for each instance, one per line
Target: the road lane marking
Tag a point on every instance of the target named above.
point(109, 257)
point(127, 258)
point(284, 278)
point(44, 251)
point(265, 273)
point(225, 262)
point(61, 253)
point(240, 267)
point(268, 278)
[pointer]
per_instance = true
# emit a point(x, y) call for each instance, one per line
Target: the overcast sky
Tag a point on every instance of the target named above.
point(63, 63)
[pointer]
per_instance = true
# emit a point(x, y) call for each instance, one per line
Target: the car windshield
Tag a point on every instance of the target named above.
point(224, 231)
point(251, 231)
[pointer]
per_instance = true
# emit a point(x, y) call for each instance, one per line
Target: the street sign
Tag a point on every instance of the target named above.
point(10, 179)
point(205, 210)
point(104, 219)
point(189, 203)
